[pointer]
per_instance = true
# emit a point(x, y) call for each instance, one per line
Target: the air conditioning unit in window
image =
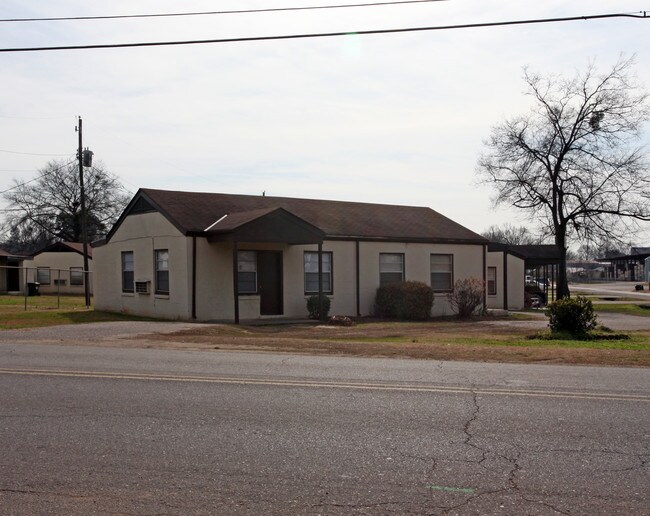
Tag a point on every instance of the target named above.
point(61, 282)
point(143, 287)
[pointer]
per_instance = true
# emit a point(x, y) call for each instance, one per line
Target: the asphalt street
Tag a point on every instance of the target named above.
point(89, 430)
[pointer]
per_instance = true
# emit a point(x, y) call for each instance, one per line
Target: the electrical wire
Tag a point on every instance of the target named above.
point(206, 13)
point(41, 176)
point(31, 153)
point(641, 15)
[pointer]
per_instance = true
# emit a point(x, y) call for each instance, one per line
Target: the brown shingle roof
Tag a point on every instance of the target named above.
point(193, 212)
point(76, 247)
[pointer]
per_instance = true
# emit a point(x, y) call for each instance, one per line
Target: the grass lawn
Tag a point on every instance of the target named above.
point(623, 308)
point(499, 339)
point(42, 311)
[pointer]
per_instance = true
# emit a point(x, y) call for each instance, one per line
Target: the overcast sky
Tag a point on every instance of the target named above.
point(394, 118)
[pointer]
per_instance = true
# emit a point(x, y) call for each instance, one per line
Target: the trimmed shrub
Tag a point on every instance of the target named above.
point(573, 315)
point(313, 308)
point(409, 300)
point(467, 297)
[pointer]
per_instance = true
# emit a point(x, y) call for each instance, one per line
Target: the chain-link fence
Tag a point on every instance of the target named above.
point(45, 283)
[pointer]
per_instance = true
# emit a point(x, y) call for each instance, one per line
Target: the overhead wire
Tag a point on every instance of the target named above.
point(42, 175)
point(641, 15)
point(208, 13)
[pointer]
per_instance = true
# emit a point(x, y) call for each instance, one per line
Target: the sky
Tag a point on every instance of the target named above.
point(392, 118)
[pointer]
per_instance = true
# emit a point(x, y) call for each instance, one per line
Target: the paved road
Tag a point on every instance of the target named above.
point(135, 431)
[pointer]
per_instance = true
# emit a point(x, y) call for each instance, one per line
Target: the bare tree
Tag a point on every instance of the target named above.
point(513, 235)
point(49, 206)
point(573, 161)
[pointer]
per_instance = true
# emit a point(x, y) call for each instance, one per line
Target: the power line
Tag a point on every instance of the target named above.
point(641, 15)
point(31, 153)
point(43, 174)
point(204, 13)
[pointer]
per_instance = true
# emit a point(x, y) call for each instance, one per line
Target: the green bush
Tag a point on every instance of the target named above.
point(573, 315)
point(467, 297)
point(313, 308)
point(409, 300)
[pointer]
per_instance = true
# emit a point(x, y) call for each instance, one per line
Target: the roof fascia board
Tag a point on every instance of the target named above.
point(127, 211)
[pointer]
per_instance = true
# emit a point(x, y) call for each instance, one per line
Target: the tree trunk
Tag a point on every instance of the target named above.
point(562, 281)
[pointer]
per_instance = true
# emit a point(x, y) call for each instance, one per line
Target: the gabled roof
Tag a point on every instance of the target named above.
point(192, 213)
point(6, 254)
point(65, 247)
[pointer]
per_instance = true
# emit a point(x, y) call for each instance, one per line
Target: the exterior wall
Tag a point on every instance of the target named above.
point(59, 264)
point(160, 234)
point(467, 263)
point(215, 294)
point(214, 273)
point(515, 281)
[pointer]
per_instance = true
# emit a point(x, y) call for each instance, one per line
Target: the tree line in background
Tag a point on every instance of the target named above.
point(47, 209)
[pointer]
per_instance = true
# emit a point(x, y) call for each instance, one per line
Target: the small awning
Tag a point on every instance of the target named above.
point(275, 225)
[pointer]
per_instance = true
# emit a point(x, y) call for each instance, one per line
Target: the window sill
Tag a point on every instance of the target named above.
point(128, 294)
point(161, 296)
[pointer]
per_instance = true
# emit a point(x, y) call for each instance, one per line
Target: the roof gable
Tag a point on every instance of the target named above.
point(195, 213)
point(64, 247)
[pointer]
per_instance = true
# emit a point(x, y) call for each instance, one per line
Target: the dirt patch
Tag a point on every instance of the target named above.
point(447, 340)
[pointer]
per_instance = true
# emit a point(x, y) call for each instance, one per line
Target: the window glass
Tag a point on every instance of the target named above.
point(311, 272)
point(492, 281)
point(127, 271)
point(391, 268)
point(247, 272)
point(76, 275)
point(442, 272)
point(162, 271)
point(43, 275)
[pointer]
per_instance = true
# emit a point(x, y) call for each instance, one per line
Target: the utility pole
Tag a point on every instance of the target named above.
point(84, 231)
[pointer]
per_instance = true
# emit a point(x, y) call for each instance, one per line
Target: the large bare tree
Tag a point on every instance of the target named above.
point(573, 162)
point(49, 206)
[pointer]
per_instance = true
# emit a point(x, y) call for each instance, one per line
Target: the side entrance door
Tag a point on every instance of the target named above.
point(269, 272)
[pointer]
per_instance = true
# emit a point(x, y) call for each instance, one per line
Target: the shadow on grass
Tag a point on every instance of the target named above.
point(39, 319)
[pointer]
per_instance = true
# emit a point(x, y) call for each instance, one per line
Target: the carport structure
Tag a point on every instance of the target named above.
point(626, 268)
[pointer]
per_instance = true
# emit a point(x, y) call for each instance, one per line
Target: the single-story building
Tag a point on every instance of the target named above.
point(505, 277)
point(211, 256)
point(59, 268)
point(12, 278)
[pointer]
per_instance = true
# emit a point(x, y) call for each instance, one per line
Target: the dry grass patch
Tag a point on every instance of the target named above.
point(438, 340)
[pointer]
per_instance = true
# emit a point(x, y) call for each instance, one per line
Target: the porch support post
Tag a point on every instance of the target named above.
point(505, 280)
point(235, 283)
point(320, 281)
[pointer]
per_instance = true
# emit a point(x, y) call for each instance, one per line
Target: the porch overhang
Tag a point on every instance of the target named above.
point(270, 226)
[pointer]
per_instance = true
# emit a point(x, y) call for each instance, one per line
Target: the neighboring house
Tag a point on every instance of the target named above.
point(505, 277)
point(210, 256)
point(12, 278)
point(59, 268)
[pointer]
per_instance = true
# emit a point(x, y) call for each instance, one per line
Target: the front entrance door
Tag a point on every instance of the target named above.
point(269, 279)
point(13, 277)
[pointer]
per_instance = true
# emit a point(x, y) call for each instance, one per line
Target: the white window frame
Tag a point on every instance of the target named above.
point(310, 258)
point(440, 269)
point(125, 270)
point(492, 281)
point(246, 264)
point(161, 270)
point(40, 276)
point(386, 275)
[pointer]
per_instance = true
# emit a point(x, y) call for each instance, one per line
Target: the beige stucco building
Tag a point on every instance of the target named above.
point(505, 278)
point(59, 268)
point(220, 257)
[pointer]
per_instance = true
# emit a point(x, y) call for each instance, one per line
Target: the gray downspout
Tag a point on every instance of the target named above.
point(358, 281)
point(505, 280)
point(194, 277)
point(320, 281)
point(235, 283)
